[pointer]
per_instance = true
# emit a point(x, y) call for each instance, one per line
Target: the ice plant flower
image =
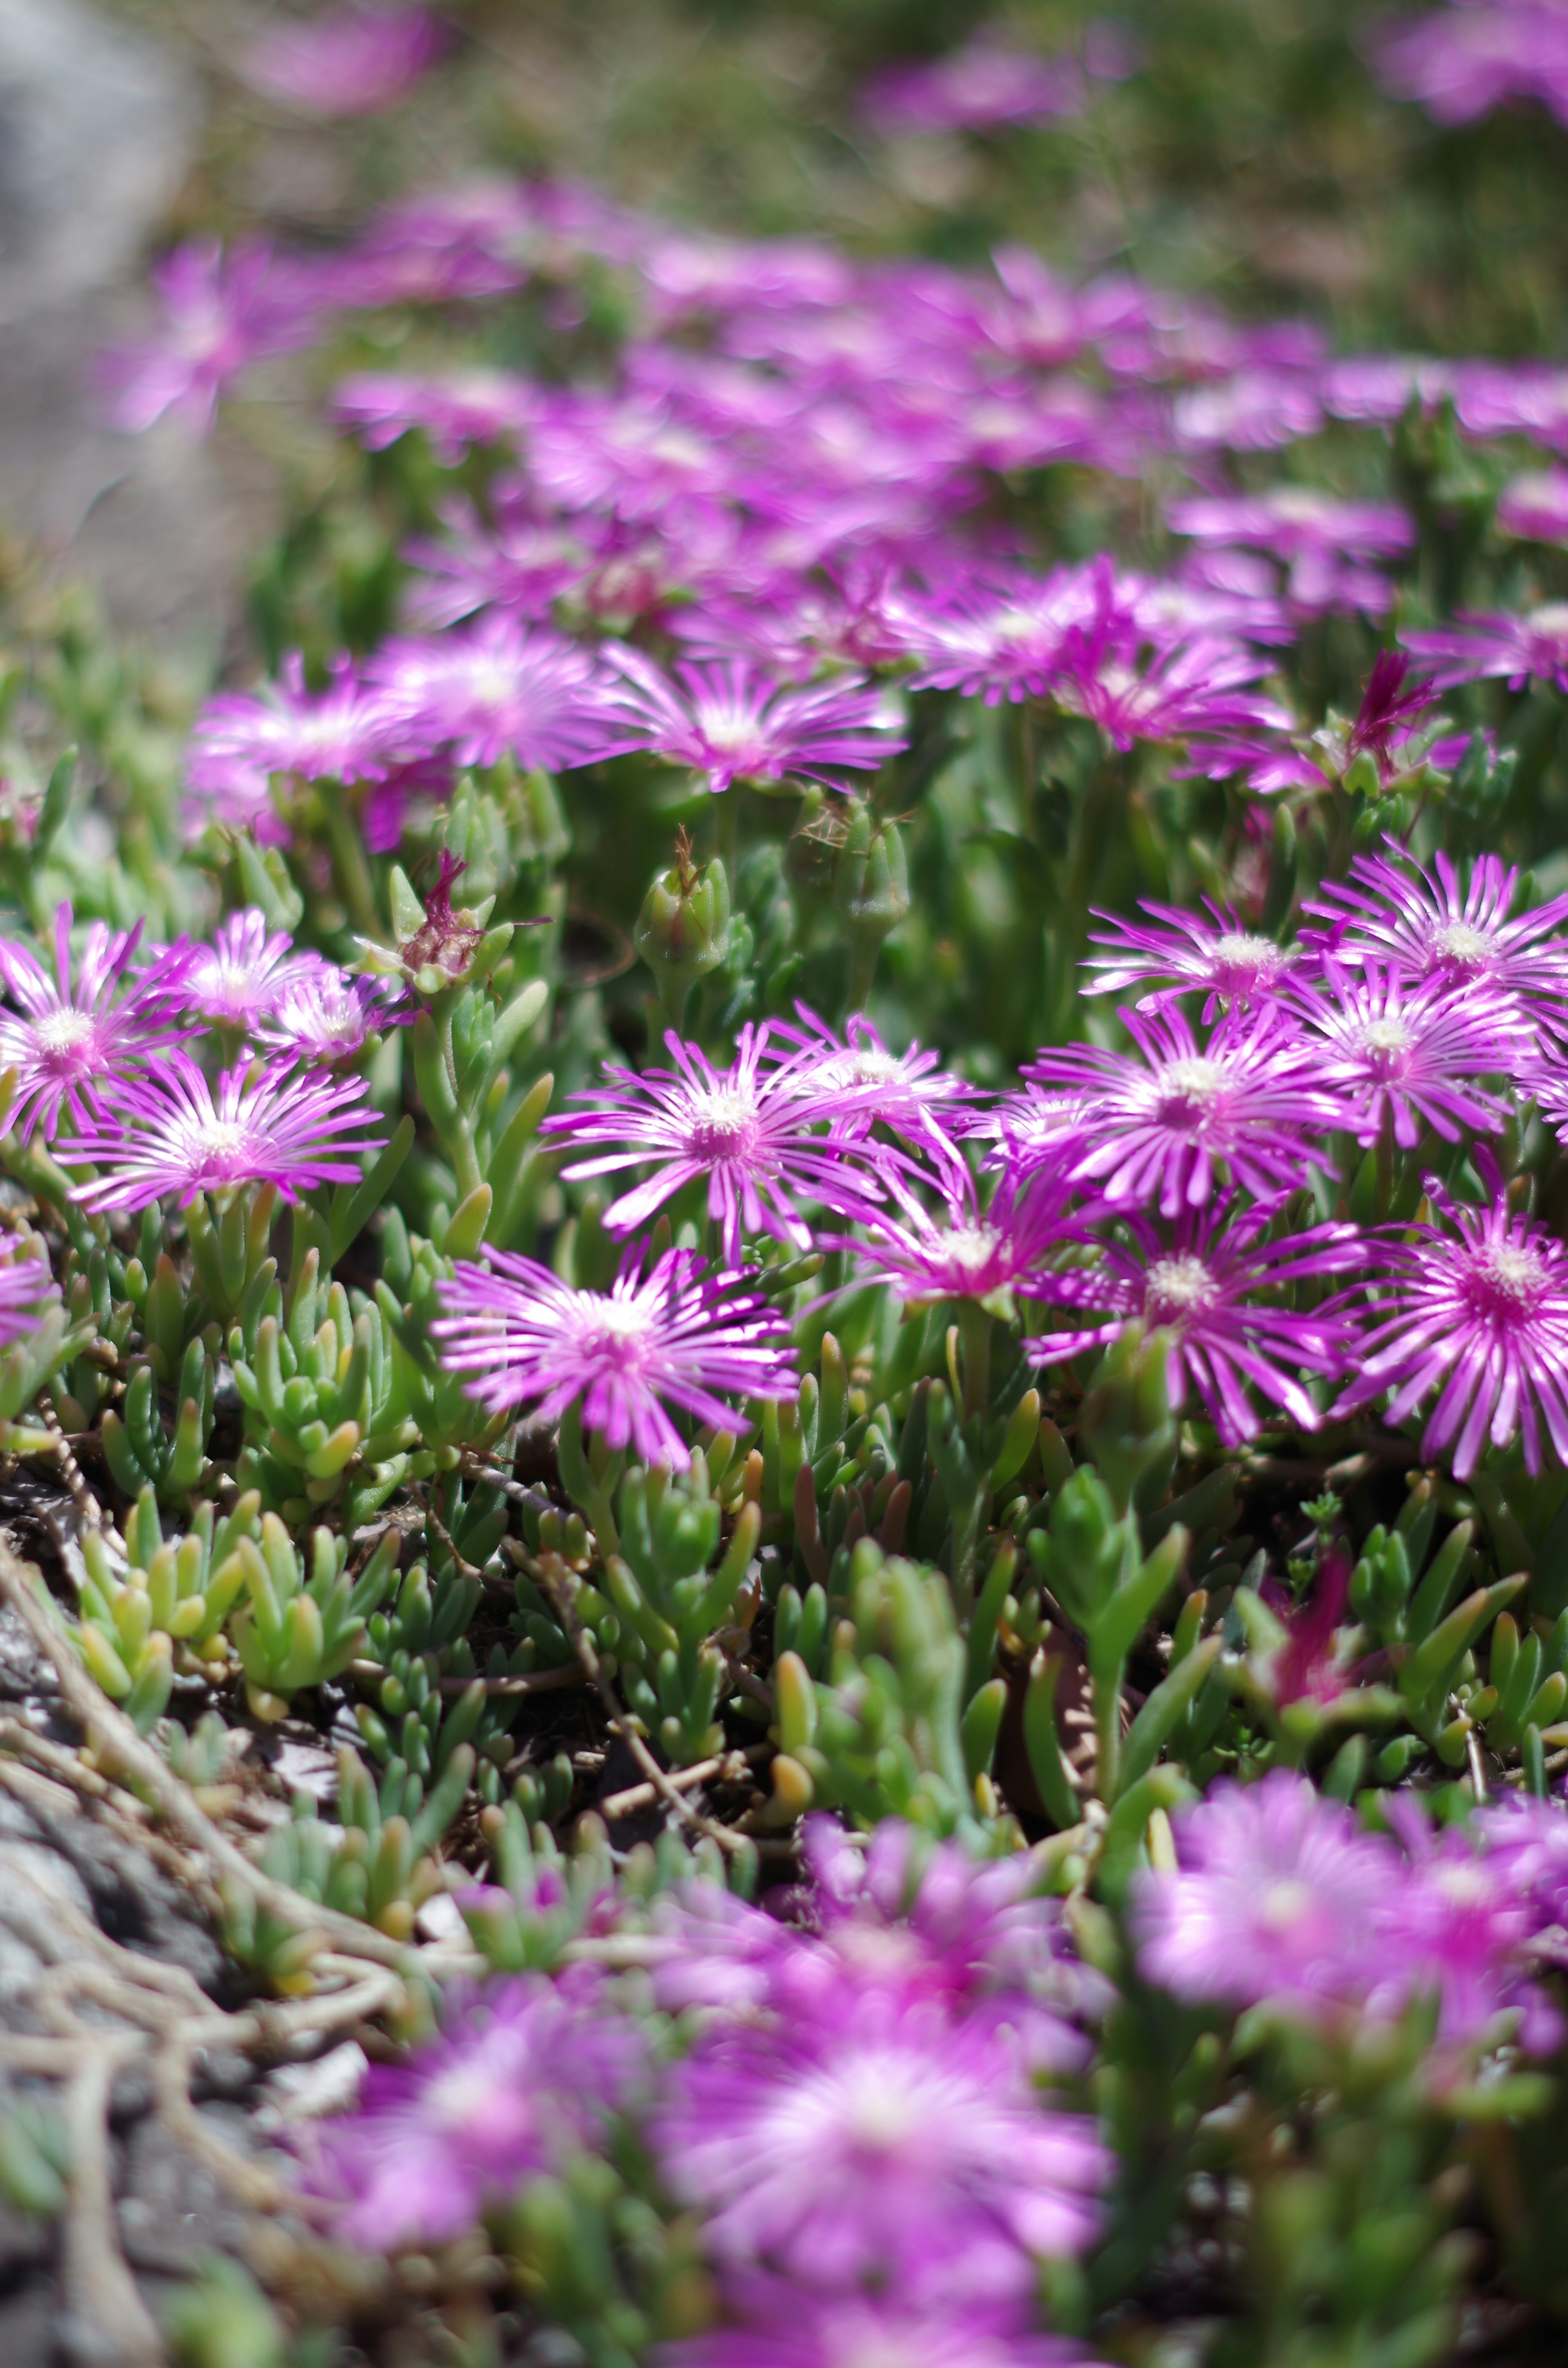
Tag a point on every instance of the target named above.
point(236, 980)
point(1473, 1310)
point(780, 2326)
point(679, 1334)
point(79, 1037)
point(526, 2073)
point(877, 2141)
point(27, 1284)
point(1438, 926)
point(1461, 62)
point(987, 84)
point(320, 1014)
point(966, 1251)
point(174, 1133)
point(755, 1134)
point(352, 61)
point(1405, 1057)
point(730, 724)
point(242, 742)
point(1533, 507)
point(221, 314)
point(1463, 1921)
point(1215, 1283)
point(1230, 966)
point(1166, 1121)
point(496, 690)
point(1531, 647)
point(1278, 1896)
point(909, 1093)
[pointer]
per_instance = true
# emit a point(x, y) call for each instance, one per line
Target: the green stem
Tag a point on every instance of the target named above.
point(864, 951)
point(349, 869)
point(728, 821)
point(974, 1332)
point(1107, 1732)
point(456, 1138)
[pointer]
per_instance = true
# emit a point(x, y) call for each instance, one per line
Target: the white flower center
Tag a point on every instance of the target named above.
point(1550, 624)
point(1461, 944)
point(969, 1250)
point(1178, 1286)
point(879, 2112)
point(1245, 959)
point(619, 1322)
point(1284, 1904)
point(1509, 1274)
point(222, 1139)
point(724, 1121)
point(731, 734)
point(64, 1031)
point(1190, 1088)
point(1383, 1041)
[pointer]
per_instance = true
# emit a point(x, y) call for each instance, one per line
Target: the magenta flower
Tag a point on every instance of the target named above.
point(987, 84)
point(757, 1134)
point(457, 411)
point(1201, 686)
point(965, 1251)
point(221, 314)
point(521, 564)
point(26, 1287)
point(1460, 62)
point(519, 1336)
point(1036, 1131)
point(495, 690)
point(236, 980)
point(1170, 1120)
point(1220, 1284)
point(1533, 507)
point(1404, 1056)
point(526, 2073)
point(1279, 1896)
point(352, 61)
point(1533, 646)
point(783, 2328)
point(77, 1038)
point(1463, 1919)
point(240, 743)
point(877, 2141)
point(1475, 1310)
point(1290, 520)
point(1393, 912)
point(731, 724)
point(319, 1014)
point(1229, 966)
point(173, 1133)
point(909, 1093)
point(1013, 643)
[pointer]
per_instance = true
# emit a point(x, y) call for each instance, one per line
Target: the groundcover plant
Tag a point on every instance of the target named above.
point(821, 1189)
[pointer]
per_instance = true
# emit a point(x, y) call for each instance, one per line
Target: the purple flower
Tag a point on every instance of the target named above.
point(496, 691)
point(985, 85)
point(1476, 1310)
point(457, 411)
point(520, 1336)
point(1460, 62)
point(1402, 1055)
point(1220, 1285)
point(78, 1038)
point(521, 564)
point(1531, 647)
point(1529, 1839)
point(1291, 519)
point(172, 1132)
point(221, 314)
point(731, 723)
point(1201, 686)
point(757, 1135)
point(1230, 966)
point(877, 2141)
point(1462, 1921)
point(1433, 928)
point(236, 980)
point(910, 1093)
point(1279, 1896)
point(1534, 508)
point(241, 742)
point(319, 1014)
point(352, 61)
point(1166, 1121)
point(26, 1286)
point(965, 1251)
point(784, 2327)
point(526, 2074)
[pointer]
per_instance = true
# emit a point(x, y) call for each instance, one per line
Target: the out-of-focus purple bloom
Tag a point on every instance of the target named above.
point(519, 1336)
point(26, 1287)
point(320, 1014)
point(758, 1134)
point(1036, 1129)
point(1476, 1311)
point(1460, 62)
point(731, 724)
point(1229, 966)
point(526, 2073)
point(910, 1093)
point(1256, 411)
point(1534, 508)
point(1214, 1283)
point(1529, 1838)
point(495, 690)
point(521, 564)
point(783, 2328)
point(1533, 646)
point(457, 411)
point(351, 61)
point(174, 1133)
point(1403, 1056)
point(1462, 1921)
point(239, 977)
point(1278, 1896)
point(1167, 1121)
point(220, 312)
point(1290, 519)
point(879, 2141)
point(78, 1038)
point(1202, 686)
point(242, 741)
point(966, 1251)
point(981, 87)
point(1432, 928)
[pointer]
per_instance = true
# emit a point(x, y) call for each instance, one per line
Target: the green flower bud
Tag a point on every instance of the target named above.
point(683, 930)
point(870, 892)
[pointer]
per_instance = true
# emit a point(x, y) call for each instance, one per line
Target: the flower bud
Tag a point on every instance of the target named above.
point(683, 930)
point(871, 894)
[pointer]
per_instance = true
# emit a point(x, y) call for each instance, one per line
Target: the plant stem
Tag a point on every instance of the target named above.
point(349, 870)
